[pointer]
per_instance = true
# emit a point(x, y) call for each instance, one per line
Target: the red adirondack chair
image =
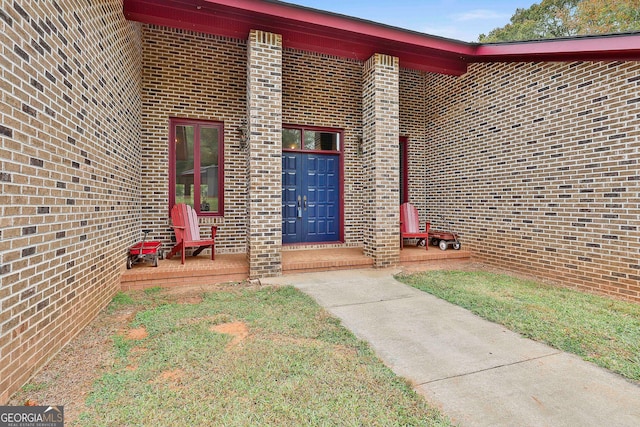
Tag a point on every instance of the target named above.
point(187, 230)
point(410, 225)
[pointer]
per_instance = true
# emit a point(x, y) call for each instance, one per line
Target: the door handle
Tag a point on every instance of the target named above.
point(305, 202)
point(299, 210)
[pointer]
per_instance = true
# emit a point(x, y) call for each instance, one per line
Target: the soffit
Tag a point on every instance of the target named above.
point(305, 29)
point(329, 33)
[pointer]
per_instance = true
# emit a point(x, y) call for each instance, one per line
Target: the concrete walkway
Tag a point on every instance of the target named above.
point(477, 372)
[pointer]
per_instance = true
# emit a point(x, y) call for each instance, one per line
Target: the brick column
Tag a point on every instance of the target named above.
point(264, 109)
point(380, 131)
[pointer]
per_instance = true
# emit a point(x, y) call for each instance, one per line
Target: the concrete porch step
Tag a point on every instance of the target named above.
point(302, 261)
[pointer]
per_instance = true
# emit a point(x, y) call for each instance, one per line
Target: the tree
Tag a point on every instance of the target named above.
point(563, 18)
point(606, 16)
point(549, 19)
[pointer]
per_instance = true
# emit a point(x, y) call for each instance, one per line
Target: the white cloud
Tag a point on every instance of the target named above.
point(443, 31)
point(480, 14)
point(453, 32)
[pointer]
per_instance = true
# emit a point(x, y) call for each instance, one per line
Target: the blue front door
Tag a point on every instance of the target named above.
point(310, 197)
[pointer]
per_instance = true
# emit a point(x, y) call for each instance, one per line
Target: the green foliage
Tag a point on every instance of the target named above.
point(153, 290)
point(606, 16)
point(119, 301)
point(122, 346)
point(598, 329)
point(35, 387)
point(563, 18)
point(134, 300)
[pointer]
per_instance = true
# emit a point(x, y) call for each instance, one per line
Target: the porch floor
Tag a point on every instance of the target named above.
point(201, 270)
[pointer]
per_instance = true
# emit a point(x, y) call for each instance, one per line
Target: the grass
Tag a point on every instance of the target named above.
point(297, 366)
point(598, 329)
point(123, 300)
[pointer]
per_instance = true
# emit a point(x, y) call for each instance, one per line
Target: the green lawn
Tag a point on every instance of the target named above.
point(291, 365)
point(598, 329)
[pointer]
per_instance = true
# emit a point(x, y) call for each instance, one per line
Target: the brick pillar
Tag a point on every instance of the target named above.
point(264, 109)
point(380, 131)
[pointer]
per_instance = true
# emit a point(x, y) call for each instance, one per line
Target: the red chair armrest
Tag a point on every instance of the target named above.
point(214, 230)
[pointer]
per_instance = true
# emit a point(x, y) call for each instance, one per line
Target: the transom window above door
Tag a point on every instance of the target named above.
point(311, 139)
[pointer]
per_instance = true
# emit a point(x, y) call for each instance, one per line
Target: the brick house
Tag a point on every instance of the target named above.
point(111, 112)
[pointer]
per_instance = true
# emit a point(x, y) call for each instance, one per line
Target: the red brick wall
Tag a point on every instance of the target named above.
point(537, 165)
point(412, 125)
point(195, 76)
point(70, 174)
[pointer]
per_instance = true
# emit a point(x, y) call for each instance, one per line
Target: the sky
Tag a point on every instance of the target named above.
point(456, 19)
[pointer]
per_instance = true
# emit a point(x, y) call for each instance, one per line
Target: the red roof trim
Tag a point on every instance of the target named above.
point(357, 26)
point(304, 29)
point(318, 31)
point(607, 47)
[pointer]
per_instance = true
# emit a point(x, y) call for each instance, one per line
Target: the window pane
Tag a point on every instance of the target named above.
point(311, 141)
point(209, 140)
point(317, 140)
point(184, 164)
point(291, 139)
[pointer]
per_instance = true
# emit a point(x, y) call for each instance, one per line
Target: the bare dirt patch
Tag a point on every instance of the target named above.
point(220, 317)
point(173, 375)
point(194, 291)
point(196, 299)
point(172, 378)
point(238, 330)
point(134, 356)
point(137, 334)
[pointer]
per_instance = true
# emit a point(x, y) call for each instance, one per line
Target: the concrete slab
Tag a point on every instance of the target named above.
point(344, 287)
point(426, 339)
point(557, 390)
point(416, 334)
point(478, 372)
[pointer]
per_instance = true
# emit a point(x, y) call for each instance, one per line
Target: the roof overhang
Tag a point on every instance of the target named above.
point(612, 47)
point(334, 34)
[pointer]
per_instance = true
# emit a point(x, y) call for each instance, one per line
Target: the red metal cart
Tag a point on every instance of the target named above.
point(444, 239)
point(145, 251)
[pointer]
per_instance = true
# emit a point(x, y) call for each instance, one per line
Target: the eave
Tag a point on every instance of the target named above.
point(333, 34)
point(305, 29)
point(611, 47)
